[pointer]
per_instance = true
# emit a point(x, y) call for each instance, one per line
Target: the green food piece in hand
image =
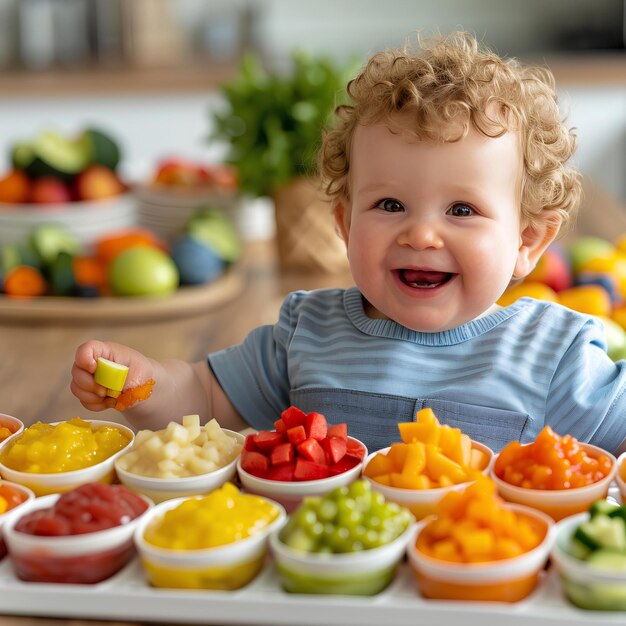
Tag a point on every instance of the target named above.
point(110, 375)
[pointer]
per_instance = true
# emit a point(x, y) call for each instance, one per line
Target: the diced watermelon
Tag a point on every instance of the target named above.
point(254, 463)
point(267, 439)
point(284, 473)
point(250, 445)
point(293, 417)
point(346, 463)
point(316, 426)
point(311, 450)
point(355, 449)
point(338, 430)
point(309, 470)
point(296, 435)
point(282, 453)
point(279, 425)
point(335, 448)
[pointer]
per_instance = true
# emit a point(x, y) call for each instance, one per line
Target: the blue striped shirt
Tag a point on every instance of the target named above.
point(499, 377)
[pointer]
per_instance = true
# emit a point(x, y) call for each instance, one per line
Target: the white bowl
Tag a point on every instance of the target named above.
point(87, 220)
point(366, 572)
point(291, 493)
point(161, 489)
point(44, 484)
point(560, 503)
point(585, 586)
point(506, 580)
point(224, 567)
point(422, 502)
point(85, 558)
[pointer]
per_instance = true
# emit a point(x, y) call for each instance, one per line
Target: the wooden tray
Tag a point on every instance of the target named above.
point(186, 301)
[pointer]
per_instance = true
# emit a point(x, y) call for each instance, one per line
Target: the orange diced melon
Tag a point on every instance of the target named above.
point(455, 445)
point(383, 479)
point(426, 416)
point(478, 459)
point(506, 548)
point(426, 433)
point(378, 464)
point(452, 504)
point(477, 544)
point(415, 458)
point(445, 481)
point(408, 432)
point(447, 550)
point(397, 454)
point(438, 465)
point(411, 481)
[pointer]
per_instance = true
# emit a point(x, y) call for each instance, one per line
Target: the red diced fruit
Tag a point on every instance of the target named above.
point(355, 449)
point(293, 417)
point(250, 445)
point(335, 448)
point(309, 470)
point(346, 463)
point(267, 439)
point(296, 435)
point(254, 463)
point(284, 473)
point(338, 430)
point(281, 454)
point(316, 426)
point(279, 425)
point(311, 450)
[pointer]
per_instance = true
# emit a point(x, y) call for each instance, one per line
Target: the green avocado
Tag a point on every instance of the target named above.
point(101, 148)
point(52, 155)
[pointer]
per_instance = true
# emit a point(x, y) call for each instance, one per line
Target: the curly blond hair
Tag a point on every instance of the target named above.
point(450, 83)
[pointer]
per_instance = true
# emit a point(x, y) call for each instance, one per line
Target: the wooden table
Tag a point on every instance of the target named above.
point(37, 357)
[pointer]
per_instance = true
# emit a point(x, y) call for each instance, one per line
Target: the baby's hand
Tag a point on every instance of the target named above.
point(94, 396)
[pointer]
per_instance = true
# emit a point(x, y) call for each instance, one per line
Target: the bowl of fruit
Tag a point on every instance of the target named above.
point(57, 457)
point(430, 460)
point(180, 460)
point(71, 182)
point(304, 456)
point(555, 474)
point(82, 536)
point(346, 542)
point(12, 498)
point(590, 556)
point(214, 541)
point(477, 547)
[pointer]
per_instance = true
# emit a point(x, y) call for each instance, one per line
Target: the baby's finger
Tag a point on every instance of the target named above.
point(92, 401)
point(85, 381)
point(87, 354)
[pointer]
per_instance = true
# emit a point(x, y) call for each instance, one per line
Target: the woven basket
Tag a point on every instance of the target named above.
point(305, 230)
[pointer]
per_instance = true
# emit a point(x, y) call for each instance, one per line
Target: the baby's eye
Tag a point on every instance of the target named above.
point(390, 205)
point(461, 210)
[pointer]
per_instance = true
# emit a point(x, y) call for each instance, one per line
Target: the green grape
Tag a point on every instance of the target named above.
point(327, 510)
point(339, 493)
point(317, 530)
point(359, 488)
point(371, 539)
point(349, 518)
point(339, 538)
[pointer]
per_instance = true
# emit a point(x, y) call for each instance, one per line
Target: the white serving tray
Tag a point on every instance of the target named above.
point(128, 597)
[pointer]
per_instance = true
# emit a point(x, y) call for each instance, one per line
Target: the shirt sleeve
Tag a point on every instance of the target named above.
point(254, 374)
point(586, 397)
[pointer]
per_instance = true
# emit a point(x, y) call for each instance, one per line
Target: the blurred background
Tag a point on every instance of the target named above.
point(149, 71)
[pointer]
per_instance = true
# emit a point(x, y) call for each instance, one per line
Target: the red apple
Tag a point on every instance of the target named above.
point(98, 182)
point(49, 190)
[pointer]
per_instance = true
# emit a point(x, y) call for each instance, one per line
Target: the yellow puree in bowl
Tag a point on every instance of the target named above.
point(65, 447)
point(223, 516)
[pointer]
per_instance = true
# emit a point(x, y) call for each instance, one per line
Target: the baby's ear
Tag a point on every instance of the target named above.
point(534, 239)
point(342, 219)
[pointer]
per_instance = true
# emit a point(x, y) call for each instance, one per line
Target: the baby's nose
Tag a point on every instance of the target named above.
point(421, 234)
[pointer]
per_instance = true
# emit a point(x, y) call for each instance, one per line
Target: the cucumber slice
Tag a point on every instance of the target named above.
point(110, 375)
point(602, 532)
point(619, 512)
point(602, 507)
point(62, 279)
point(578, 549)
point(57, 156)
point(609, 560)
point(22, 155)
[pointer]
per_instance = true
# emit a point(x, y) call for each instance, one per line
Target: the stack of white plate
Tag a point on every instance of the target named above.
point(87, 220)
point(166, 211)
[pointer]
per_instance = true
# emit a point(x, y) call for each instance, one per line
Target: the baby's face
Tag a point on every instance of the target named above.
point(432, 229)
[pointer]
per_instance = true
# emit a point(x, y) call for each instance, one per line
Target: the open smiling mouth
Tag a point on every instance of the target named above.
point(423, 279)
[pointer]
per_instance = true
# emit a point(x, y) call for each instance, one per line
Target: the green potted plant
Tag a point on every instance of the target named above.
point(272, 123)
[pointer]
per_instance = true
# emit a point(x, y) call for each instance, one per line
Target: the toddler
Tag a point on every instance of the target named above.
point(448, 177)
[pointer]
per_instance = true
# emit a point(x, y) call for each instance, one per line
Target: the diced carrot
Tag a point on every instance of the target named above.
point(133, 395)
